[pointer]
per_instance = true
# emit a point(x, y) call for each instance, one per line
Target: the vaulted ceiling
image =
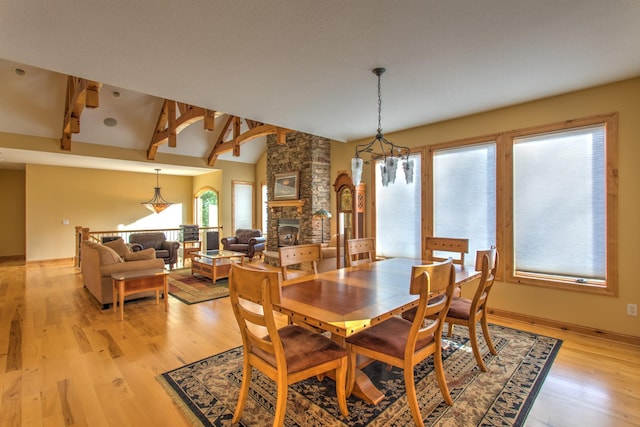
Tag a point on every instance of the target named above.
point(298, 64)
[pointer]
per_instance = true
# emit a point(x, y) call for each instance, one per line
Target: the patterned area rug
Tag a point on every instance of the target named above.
point(192, 289)
point(207, 390)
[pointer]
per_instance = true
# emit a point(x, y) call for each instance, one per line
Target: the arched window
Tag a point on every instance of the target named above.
point(206, 207)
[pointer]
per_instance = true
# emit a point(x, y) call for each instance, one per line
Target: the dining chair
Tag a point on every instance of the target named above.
point(360, 251)
point(469, 312)
point(286, 355)
point(452, 245)
point(404, 344)
point(305, 255)
point(446, 244)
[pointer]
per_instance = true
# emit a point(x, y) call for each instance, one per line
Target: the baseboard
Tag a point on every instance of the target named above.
point(584, 330)
point(54, 262)
point(12, 260)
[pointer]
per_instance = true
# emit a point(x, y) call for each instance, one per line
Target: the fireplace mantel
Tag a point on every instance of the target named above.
point(298, 204)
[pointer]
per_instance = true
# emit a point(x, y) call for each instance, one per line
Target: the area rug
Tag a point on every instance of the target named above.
point(192, 289)
point(207, 390)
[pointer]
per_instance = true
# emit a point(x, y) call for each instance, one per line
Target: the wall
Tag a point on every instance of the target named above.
point(12, 221)
point(598, 312)
point(99, 199)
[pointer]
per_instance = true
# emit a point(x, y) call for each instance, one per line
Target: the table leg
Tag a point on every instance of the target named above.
point(166, 292)
point(114, 289)
point(121, 290)
point(362, 387)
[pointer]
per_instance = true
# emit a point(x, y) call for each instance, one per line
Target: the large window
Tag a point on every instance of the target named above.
point(398, 213)
point(464, 194)
point(561, 216)
point(242, 205)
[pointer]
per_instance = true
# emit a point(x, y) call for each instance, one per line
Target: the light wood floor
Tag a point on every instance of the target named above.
point(63, 361)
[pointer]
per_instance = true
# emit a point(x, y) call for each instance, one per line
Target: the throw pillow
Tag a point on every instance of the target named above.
point(119, 246)
point(149, 253)
point(108, 255)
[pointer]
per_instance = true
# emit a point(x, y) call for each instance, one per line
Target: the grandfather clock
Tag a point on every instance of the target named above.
point(350, 208)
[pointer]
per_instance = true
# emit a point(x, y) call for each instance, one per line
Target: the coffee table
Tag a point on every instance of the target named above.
point(133, 282)
point(214, 264)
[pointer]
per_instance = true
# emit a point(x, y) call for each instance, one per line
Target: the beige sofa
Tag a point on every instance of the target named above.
point(98, 262)
point(329, 254)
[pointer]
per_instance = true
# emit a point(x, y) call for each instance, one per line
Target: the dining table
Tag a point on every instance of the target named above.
point(349, 300)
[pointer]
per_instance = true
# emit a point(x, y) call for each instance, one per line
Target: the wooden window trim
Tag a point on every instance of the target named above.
point(610, 285)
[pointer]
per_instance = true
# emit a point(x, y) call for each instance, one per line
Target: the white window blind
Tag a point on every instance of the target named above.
point(398, 213)
point(242, 205)
point(464, 195)
point(559, 205)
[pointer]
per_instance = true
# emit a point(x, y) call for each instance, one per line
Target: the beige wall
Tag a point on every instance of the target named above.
point(12, 214)
point(600, 312)
point(98, 199)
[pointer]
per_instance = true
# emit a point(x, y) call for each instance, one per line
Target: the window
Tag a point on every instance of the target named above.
point(242, 205)
point(398, 215)
point(561, 217)
point(463, 202)
point(206, 208)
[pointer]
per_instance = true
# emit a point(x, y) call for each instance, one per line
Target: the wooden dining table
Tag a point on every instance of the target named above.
point(349, 300)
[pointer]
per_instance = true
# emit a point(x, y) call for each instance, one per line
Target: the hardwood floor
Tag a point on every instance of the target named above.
point(63, 361)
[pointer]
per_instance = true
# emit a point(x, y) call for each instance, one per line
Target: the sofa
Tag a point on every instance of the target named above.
point(167, 250)
point(250, 241)
point(329, 254)
point(98, 262)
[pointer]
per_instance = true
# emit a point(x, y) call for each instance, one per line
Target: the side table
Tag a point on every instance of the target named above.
point(133, 282)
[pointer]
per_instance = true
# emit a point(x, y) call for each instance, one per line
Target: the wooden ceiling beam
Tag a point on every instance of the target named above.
point(170, 124)
point(81, 93)
point(226, 128)
point(259, 130)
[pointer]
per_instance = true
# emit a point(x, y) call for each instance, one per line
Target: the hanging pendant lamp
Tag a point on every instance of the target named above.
point(157, 204)
point(390, 152)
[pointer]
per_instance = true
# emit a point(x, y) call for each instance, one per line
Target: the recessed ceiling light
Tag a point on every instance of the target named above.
point(110, 121)
point(20, 71)
point(115, 94)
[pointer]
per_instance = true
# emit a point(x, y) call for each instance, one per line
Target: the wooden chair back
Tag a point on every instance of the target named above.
point(303, 255)
point(487, 260)
point(360, 251)
point(435, 284)
point(262, 288)
point(446, 244)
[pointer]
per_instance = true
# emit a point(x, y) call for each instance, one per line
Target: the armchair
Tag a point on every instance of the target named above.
point(251, 242)
point(167, 250)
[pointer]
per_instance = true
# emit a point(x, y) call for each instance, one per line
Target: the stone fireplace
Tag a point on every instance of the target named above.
point(309, 155)
point(288, 232)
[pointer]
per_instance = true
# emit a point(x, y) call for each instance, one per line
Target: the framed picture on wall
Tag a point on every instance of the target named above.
point(286, 186)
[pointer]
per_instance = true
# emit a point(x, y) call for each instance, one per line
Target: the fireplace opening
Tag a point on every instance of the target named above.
point(288, 231)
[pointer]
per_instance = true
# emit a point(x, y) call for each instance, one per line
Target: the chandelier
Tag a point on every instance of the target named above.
point(390, 152)
point(157, 204)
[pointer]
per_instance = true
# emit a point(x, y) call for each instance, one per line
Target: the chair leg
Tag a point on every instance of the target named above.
point(341, 386)
point(473, 336)
point(450, 329)
point(442, 381)
point(244, 391)
point(281, 403)
point(487, 336)
point(412, 397)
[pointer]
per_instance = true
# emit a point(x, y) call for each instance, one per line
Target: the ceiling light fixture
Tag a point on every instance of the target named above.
point(390, 152)
point(19, 71)
point(110, 122)
point(157, 203)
